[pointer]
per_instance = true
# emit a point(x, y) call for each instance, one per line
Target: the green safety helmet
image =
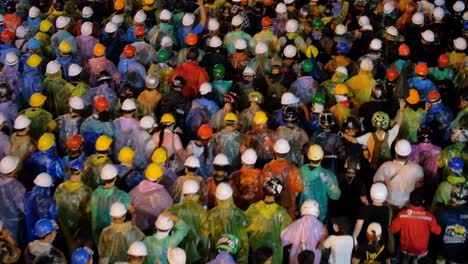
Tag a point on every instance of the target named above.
point(317, 24)
point(228, 242)
point(306, 66)
point(256, 97)
point(380, 120)
point(163, 55)
point(219, 70)
point(318, 98)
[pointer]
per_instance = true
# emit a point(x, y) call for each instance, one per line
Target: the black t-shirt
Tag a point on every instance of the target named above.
point(369, 254)
point(372, 213)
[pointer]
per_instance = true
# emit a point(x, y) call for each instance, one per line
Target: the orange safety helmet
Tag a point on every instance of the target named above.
point(392, 74)
point(443, 60)
point(101, 104)
point(268, 2)
point(266, 21)
point(433, 96)
point(129, 51)
point(99, 50)
point(404, 50)
point(191, 39)
point(74, 142)
point(205, 131)
point(421, 69)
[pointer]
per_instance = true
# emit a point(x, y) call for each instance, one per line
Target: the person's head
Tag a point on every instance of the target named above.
point(159, 156)
point(118, 211)
point(272, 189)
point(82, 255)
point(46, 230)
point(352, 126)
point(434, 98)
point(221, 165)
point(374, 233)
point(109, 175)
point(281, 148)
point(402, 149)
point(326, 120)
point(290, 115)
point(192, 54)
point(378, 193)
point(154, 172)
point(425, 134)
point(178, 83)
point(190, 190)
point(192, 164)
point(5, 92)
point(103, 145)
point(249, 157)
point(76, 168)
point(230, 120)
point(417, 197)
point(306, 257)
point(229, 243)
point(22, 125)
point(413, 98)
point(137, 252)
point(204, 133)
point(318, 102)
point(167, 121)
point(230, 101)
point(341, 225)
point(8, 166)
point(164, 225)
point(380, 120)
point(352, 166)
point(262, 255)
point(315, 155)
point(310, 207)
point(176, 256)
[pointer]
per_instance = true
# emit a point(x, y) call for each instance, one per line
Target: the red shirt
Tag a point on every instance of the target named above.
point(415, 225)
point(194, 76)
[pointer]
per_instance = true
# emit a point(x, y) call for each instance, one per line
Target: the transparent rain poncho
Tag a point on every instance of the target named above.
point(57, 94)
point(38, 204)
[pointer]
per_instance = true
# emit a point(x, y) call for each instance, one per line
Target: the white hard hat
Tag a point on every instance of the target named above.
point(147, 122)
point(21, 122)
point(140, 16)
point(43, 180)
point(20, 32)
point(206, 88)
point(292, 25)
point(340, 29)
point(152, 81)
point(221, 160)
point(249, 156)
point(11, 59)
point(342, 69)
point(223, 191)
point(34, 12)
point(110, 27)
point(281, 146)
point(403, 147)
point(379, 192)
point(8, 164)
point(289, 99)
point(213, 24)
point(165, 15)
point(166, 42)
point(418, 18)
point(261, 48)
point(109, 172)
point(438, 13)
point(137, 249)
point(215, 42)
point(367, 27)
point(164, 222)
point(460, 43)
point(290, 51)
point(439, 2)
point(366, 65)
point(392, 31)
point(117, 19)
point(428, 35)
point(62, 21)
point(376, 44)
point(240, 44)
point(288, 2)
point(363, 20)
point(281, 8)
point(176, 256)
point(192, 162)
point(74, 69)
point(76, 103)
point(310, 207)
point(188, 19)
point(128, 105)
point(87, 12)
point(249, 71)
point(237, 20)
point(374, 228)
point(87, 28)
point(117, 210)
point(388, 7)
point(53, 67)
point(190, 187)
point(458, 6)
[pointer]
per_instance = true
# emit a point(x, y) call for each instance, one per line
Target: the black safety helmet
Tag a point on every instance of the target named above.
point(425, 134)
point(10, 7)
point(290, 114)
point(104, 76)
point(326, 120)
point(4, 90)
point(273, 186)
point(230, 98)
point(178, 82)
point(59, 5)
point(352, 123)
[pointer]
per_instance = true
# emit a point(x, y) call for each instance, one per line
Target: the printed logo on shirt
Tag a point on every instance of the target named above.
point(455, 234)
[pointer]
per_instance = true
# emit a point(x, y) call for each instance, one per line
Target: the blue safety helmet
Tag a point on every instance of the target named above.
point(44, 227)
point(456, 165)
point(76, 165)
point(342, 47)
point(81, 255)
point(33, 44)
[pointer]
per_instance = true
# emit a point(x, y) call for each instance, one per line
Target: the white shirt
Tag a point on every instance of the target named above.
point(341, 248)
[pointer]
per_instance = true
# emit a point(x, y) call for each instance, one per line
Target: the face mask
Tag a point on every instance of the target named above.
point(317, 108)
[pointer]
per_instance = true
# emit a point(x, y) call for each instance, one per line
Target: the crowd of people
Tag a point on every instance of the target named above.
point(233, 131)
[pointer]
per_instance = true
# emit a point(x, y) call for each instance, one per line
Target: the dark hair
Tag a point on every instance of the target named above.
point(417, 197)
point(344, 225)
point(192, 54)
point(306, 257)
point(261, 255)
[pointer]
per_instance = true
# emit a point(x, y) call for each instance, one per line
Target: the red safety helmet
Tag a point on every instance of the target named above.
point(443, 60)
point(74, 142)
point(433, 96)
point(205, 131)
point(403, 50)
point(139, 31)
point(101, 104)
point(266, 21)
point(421, 69)
point(392, 74)
point(129, 51)
point(6, 35)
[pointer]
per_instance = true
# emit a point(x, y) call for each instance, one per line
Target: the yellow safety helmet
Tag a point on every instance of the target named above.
point(64, 47)
point(37, 100)
point(46, 141)
point(154, 171)
point(45, 26)
point(260, 118)
point(126, 155)
point(315, 152)
point(103, 143)
point(168, 118)
point(311, 51)
point(231, 117)
point(159, 155)
point(341, 89)
point(34, 61)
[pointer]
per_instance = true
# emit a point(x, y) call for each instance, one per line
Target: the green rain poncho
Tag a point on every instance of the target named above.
point(57, 93)
point(77, 89)
point(41, 121)
point(226, 218)
point(329, 85)
point(115, 240)
point(440, 74)
point(157, 248)
point(72, 198)
point(411, 122)
point(458, 149)
point(94, 165)
point(195, 244)
point(267, 222)
point(99, 206)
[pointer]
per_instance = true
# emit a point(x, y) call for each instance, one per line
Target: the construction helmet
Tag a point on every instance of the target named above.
point(229, 243)
point(403, 148)
point(341, 89)
point(43, 180)
point(392, 74)
point(378, 192)
point(413, 97)
point(223, 191)
point(256, 97)
point(310, 207)
point(164, 223)
point(290, 114)
point(33, 61)
point(443, 60)
point(306, 66)
point(380, 120)
point(137, 249)
point(44, 226)
point(152, 81)
point(99, 50)
point(103, 143)
point(205, 131)
point(425, 134)
point(421, 69)
point(191, 39)
point(64, 47)
point(190, 187)
point(159, 155)
point(154, 171)
point(168, 118)
point(219, 70)
point(221, 160)
point(315, 153)
point(117, 210)
point(126, 155)
point(163, 55)
point(109, 172)
point(192, 162)
point(129, 51)
point(404, 50)
point(8, 164)
point(37, 100)
point(281, 146)
point(326, 119)
point(249, 157)
point(100, 103)
point(74, 142)
point(260, 118)
point(82, 255)
point(46, 141)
